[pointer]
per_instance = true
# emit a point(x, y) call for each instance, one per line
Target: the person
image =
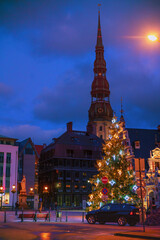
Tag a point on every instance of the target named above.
point(17, 205)
point(55, 205)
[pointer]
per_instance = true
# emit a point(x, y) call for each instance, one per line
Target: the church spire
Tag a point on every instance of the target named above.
point(99, 34)
point(100, 112)
point(122, 118)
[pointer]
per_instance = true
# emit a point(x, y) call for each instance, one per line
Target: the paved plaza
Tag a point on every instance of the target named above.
point(73, 229)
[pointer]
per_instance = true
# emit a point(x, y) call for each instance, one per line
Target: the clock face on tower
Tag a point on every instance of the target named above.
point(100, 110)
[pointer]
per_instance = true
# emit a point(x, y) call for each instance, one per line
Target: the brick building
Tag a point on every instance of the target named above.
point(65, 166)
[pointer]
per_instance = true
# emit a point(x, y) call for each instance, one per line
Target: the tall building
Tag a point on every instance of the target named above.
point(8, 170)
point(28, 157)
point(100, 112)
point(65, 166)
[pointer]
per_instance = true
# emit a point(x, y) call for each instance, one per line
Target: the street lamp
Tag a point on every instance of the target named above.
point(1, 193)
point(45, 191)
point(153, 38)
point(13, 191)
point(31, 192)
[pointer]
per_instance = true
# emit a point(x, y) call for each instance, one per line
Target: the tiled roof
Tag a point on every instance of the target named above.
point(78, 138)
point(38, 148)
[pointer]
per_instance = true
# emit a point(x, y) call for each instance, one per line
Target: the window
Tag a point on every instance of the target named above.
point(60, 174)
point(70, 153)
point(68, 200)
point(29, 149)
point(1, 181)
point(61, 163)
point(157, 165)
point(8, 142)
point(1, 142)
point(8, 158)
point(7, 183)
point(76, 163)
point(101, 136)
point(84, 174)
point(100, 128)
point(137, 145)
point(87, 153)
point(68, 174)
point(1, 157)
point(106, 208)
point(7, 171)
point(1, 171)
point(76, 174)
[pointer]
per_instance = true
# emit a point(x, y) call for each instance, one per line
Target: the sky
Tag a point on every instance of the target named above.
point(47, 51)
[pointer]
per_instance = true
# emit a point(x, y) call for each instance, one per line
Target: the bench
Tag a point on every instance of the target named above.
point(26, 215)
point(34, 216)
point(41, 215)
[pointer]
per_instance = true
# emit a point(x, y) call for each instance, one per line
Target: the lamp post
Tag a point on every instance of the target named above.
point(31, 193)
point(45, 192)
point(1, 193)
point(13, 191)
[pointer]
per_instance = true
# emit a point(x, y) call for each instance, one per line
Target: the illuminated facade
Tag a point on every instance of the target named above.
point(8, 169)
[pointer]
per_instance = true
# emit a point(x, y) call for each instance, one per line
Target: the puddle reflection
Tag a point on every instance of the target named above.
point(45, 236)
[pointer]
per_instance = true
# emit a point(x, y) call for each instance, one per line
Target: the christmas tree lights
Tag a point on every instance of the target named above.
point(114, 166)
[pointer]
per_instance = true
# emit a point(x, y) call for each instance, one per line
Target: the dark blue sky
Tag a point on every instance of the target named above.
point(46, 63)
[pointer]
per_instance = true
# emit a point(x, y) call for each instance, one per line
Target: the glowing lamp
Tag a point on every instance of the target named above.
point(152, 38)
point(13, 189)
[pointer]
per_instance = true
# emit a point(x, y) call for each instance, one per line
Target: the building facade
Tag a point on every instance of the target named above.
point(28, 158)
point(8, 170)
point(152, 179)
point(65, 166)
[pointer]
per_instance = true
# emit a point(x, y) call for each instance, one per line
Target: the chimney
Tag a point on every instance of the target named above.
point(69, 127)
point(44, 145)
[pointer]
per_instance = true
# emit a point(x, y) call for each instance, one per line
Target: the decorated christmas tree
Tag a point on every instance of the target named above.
point(115, 179)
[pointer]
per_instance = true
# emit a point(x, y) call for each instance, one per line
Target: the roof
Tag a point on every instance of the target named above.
point(80, 138)
point(4, 137)
point(24, 143)
point(39, 148)
point(147, 138)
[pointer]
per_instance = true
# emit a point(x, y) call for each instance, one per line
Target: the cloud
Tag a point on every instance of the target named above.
point(67, 101)
point(5, 91)
point(37, 134)
point(68, 27)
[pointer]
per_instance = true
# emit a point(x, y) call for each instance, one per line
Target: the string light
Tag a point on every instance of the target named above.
point(100, 195)
point(120, 172)
point(89, 203)
point(91, 196)
point(98, 181)
point(126, 197)
point(112, 182)
point(135, 187)
point(99, 164)
point(113, 120)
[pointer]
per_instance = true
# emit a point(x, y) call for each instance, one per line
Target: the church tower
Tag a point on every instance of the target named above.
point(100, 112)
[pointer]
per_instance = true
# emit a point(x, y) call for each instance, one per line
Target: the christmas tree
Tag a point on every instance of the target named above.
point(115, 179)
